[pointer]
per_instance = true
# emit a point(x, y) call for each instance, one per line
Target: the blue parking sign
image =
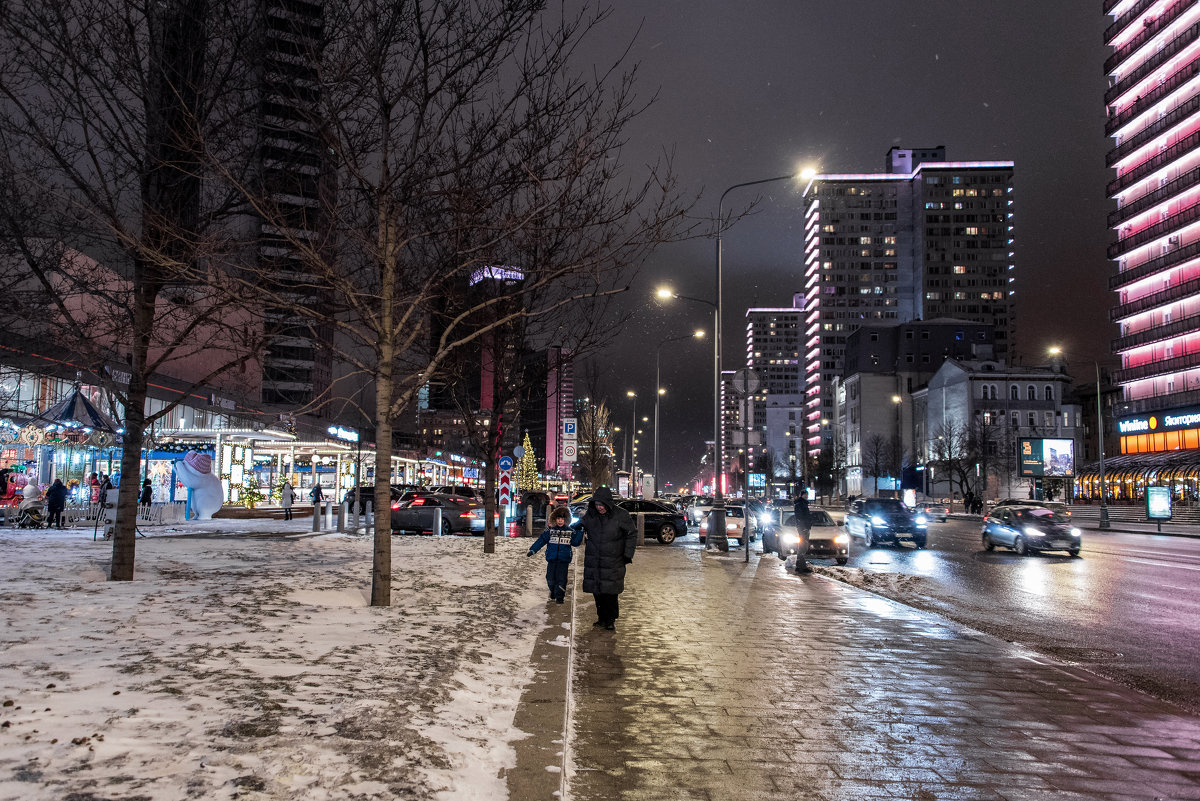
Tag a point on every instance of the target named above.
point(568, 426)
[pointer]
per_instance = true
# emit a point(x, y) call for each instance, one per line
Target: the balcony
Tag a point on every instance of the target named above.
point(1176, 221)
point(1176, 116)
point(1150, 99)
point(1123, 21)
point(1164, 367)
point(1158, 402)
point(1158, 160)
point(1161, 298)
point(1173, 48)
point(1169, 259)
point(1189, 180)
point(1184, 325)
point(1148, 32)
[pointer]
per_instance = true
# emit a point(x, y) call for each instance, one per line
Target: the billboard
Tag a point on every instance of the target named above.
point(1053, 458)
point(1158, 503)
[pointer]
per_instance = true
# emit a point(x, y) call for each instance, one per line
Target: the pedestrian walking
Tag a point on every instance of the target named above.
point(558, 539)
point(286, 496)
point(147, 494)
point(316, 494)
point(803, 519)
point(56, 502)
point(609, 544)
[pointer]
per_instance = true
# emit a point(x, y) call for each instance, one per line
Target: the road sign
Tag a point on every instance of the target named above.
point(569, 452)
point(569, 428)
point(505, 463)
point(505, 487)
point(746, 381)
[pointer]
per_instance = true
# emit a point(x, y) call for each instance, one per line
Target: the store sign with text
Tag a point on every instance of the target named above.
point(1172, 420)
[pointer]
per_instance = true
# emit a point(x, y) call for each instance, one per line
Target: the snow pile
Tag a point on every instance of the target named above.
point(253, 664)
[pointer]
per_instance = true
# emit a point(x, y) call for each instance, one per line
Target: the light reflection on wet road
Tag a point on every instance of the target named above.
point(1129, 607)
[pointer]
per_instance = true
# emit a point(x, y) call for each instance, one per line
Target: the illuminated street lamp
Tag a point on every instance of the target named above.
point(716, 528)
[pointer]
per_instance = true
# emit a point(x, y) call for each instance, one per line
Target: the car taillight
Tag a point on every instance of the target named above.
point(466, 515)
point(396, 505)
point(418, 502)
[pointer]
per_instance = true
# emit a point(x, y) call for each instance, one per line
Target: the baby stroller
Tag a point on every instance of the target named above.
point(31, 514)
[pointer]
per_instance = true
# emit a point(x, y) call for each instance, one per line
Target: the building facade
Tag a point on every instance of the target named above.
point(935, 241)
point(773, 346)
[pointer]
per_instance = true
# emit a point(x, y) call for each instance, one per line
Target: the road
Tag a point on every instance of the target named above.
point(1127, 608)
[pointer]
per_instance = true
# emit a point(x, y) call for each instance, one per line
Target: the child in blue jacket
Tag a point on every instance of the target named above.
point(558, 538)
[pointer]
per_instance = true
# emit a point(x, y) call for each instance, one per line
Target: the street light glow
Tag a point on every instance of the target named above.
point(896, 399)
point(665, 293)
point(699, 333)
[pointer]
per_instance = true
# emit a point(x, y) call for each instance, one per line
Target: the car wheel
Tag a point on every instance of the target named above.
point(988, 545)
point(1020, 547)
point(666, 534)
point(782, 554)
point(919, 543)
point(1073, 551)
point(841, 560)
point(446, 528)
point(868, 537)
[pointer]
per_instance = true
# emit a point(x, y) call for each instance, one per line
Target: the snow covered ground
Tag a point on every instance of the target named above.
point(245, 664)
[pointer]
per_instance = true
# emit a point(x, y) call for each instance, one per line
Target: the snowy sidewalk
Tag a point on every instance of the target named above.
point(238, 666)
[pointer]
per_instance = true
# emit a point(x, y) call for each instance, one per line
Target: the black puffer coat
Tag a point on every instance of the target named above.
point(611, 543)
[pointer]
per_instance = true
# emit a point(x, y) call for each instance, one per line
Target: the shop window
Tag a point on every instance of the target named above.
point(1191, 439)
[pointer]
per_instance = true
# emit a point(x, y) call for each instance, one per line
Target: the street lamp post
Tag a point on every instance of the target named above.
point(716, 526)
point(1104, 521)
point(632, 428)
point(659, 391)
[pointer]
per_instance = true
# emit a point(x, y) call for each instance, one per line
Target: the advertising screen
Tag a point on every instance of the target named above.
point(1158, 503)
point(758, 479)
point(1046, 457)
point(1058, 457)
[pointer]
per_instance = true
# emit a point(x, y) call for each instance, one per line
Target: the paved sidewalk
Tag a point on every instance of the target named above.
point(729, 681)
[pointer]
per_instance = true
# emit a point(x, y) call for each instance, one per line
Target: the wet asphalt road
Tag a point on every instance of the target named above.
point(1127, 608)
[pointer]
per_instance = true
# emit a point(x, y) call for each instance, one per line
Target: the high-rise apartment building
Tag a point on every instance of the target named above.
point(296, 177)
point(774, 341)
point(1153, 103)
point(928, 239)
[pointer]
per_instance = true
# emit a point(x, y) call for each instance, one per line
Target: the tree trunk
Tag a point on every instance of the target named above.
point(125, 531)
point(381, 568)
point(492, 451)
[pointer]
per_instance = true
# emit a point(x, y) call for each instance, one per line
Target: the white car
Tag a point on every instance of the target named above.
point(735, 525)
point(698, 510)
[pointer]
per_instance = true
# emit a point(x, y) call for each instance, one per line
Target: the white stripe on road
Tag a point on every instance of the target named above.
point(1162, 564)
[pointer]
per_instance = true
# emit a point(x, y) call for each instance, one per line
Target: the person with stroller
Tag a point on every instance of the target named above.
point(56, 502)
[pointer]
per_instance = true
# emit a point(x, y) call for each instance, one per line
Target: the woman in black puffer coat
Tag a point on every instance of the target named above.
point(611, 539)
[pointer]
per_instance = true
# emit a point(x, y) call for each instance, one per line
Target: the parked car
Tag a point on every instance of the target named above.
point(699, 507)
point(934, 511)
point(663, 522)
point(459, 515)
point(1062, 510)
point(885, 520)
point(826, 540)
point(367, 495)
point(1029, 528)
point(735, 525)
point(459, 490)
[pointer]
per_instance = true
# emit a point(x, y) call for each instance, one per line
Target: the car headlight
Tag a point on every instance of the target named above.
point(1033, 532)
point(841, 539)
point(878, 521)
point(790, 538)
point(763, 520)
point(1075, 532)
point(922, 520)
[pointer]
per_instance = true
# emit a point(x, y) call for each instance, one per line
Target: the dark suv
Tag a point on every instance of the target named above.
point(885, 520)
point(663, 522)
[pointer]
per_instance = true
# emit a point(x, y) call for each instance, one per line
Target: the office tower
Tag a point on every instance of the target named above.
point(936, 241)
point(1153, 104)
point(773, 345)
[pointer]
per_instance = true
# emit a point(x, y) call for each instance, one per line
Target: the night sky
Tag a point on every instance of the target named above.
point(758, 88)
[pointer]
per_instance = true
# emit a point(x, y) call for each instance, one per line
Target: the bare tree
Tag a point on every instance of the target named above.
point(116, 229)
point(468, 151)
point(876, 456)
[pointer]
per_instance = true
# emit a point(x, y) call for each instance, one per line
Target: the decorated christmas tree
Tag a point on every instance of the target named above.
point(527, 473)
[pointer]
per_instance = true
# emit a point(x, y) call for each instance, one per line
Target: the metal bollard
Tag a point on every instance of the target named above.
point(316, 517)
point(342, 517)
point(641, 520)
point(437, 520)
point(528, 521)
point(329, 515)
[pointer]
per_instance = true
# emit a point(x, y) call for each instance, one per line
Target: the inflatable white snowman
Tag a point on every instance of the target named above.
point(195, 472)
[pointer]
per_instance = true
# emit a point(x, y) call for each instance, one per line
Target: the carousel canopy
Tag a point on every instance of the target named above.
point(76, 411)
